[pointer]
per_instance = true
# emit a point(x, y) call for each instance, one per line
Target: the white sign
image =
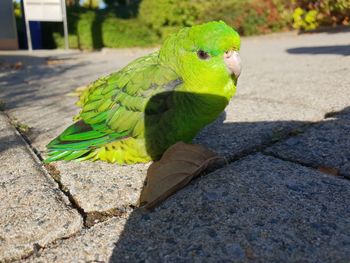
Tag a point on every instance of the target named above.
point(43, 10)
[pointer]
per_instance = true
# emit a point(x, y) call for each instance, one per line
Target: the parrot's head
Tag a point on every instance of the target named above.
point(206, 57)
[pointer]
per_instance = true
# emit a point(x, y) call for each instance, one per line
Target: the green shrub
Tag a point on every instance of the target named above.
point(310, 14)
point(120, 26)
point(305, 19)
point(59, 40)
point(117, 33)
point(165, 16)
point(86, 33)
point(53, 32)
point(84, 28)
point(248, 17)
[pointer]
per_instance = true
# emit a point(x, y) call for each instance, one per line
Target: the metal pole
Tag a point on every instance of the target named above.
point(65, 24)
point(29, 38)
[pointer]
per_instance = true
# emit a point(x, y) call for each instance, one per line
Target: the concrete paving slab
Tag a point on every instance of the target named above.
point(40, 101)
point(249, 124)
point(258, 209)
point(324, 145)
point(95, 244)
point(102, 190)
point(34, 212)
point(92, 185)
point(37, 98)
point(308, 70)
point(279, 91)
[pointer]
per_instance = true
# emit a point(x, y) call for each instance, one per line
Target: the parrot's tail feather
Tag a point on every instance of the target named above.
point(65, 155)
point(79, 140)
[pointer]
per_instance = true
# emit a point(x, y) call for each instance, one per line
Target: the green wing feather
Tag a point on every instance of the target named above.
point(112, 108)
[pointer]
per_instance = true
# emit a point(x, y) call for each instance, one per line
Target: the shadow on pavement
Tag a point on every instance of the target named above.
point(212, 220)
point(29, 84)
point(343, 50)
point(7, 142)
point(251, 218)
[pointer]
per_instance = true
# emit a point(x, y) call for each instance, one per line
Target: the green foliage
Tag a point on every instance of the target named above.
point(59, 40)
point(162, 15)
point(94, 30)
point(117, 33)
point(91, 4)
point(123, 8)
point(248, 17)
point(127, 23)
point(85, 32)
point(305, 19)
point(17, 9)
point(310, 14)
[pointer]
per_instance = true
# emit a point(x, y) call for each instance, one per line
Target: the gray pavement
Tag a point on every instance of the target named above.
point(277, 212)
point(34, 212)
point(283, 204)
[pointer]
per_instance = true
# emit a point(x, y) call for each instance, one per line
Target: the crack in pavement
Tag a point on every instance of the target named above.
point(92, 218)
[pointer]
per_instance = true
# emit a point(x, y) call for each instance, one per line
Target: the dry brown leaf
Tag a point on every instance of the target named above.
point(177, 167)
point(18, 65)
point(328, 170)
point(54, 62)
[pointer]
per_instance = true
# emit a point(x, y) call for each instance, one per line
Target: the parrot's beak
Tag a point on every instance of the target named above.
point(233, 62)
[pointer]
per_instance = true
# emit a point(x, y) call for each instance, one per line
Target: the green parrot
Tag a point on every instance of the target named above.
point(135, 114)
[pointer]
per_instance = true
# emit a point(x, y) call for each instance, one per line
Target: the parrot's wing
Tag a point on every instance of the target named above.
point(113, 108)
point(118, 101)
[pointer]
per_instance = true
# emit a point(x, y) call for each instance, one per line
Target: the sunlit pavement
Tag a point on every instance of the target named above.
point(283, 196)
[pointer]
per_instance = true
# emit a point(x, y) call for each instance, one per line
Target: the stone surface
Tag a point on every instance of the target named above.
point(307, 70)
point(258, 209)
point(39, 97)
point(268, 105)
point(326, 144)
point(95, 244)
point(101, 189)
point(38, 94)
point(250, 124)
point(34, 212)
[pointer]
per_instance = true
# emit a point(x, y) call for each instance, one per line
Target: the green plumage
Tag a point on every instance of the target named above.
point(135, 114)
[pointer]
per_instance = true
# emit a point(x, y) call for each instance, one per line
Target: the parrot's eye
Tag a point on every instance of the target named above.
point(203, 55)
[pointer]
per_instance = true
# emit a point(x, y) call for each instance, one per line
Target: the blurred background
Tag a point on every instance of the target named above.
point(94, 24)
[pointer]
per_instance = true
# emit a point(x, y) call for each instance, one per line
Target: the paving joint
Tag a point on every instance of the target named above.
point(54, 174)
point(89, 218)
point(260, 148)
point(327, 115)
point(307, 165)
point(92, 218)
point(35, 153)
point(37, 158)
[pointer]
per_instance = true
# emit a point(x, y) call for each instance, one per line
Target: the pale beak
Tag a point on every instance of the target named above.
point(233, 62)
